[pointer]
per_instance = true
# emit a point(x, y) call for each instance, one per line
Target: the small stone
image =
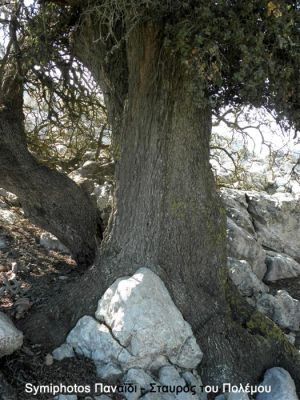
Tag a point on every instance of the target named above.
point(291, 337)
point(2, 244)
point(51, 242)
point(22, 305)
point(63, 351)
point(49, 360)
point(14, 267)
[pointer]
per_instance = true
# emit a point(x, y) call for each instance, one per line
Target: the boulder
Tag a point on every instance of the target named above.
point(11, 339)
point(282, 385)
point(282, 309)
point(280, 266)
point(143, 319)
point(277, 218)
point(243, 246)
point(50, 242)
point(140, 328)
point(246, 281)
point(94, 341)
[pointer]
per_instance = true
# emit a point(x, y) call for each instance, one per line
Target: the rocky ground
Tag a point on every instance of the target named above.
point(39, 273)
point(264, 256)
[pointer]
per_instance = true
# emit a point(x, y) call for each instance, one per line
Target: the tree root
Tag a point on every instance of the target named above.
point(238, 346)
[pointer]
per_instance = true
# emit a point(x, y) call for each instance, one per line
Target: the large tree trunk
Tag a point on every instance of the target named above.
point(169, 218)
point(49, 198)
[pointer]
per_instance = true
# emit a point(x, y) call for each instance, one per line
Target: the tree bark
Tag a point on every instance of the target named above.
point(49, 198)
point(169, 217)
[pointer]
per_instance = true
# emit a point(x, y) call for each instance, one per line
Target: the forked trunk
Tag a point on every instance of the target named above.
point(168, 217)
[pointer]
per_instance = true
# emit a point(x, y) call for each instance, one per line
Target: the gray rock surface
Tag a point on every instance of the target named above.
point(233, 396)
point(158, 396)
point(281, 308)
point(246, 281)
point(243, 246)
point(277, 219)
point(135, 307)
point(236, 208)
point(170, 378)
point(64, 351)
point(139, 377)
point(103, 397)
point(193, 379)
point(11, 339)
point(280, 266)
point(282, 385)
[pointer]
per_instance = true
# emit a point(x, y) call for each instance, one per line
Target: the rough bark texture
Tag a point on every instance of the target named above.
point(168, 217)
point(50, 199)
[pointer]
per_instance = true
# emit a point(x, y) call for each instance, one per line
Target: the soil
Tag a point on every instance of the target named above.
point(40, 273)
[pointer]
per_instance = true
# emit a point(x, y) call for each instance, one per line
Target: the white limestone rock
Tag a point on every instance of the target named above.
point(103, 194)
point(143, 318)
point(282, 385)
point(280, 266)
point(51, 242)
point(8, 216)
point(246, 281)
point(11, 339)
point(94, 341)
point(281, 308)
point(63, 351)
